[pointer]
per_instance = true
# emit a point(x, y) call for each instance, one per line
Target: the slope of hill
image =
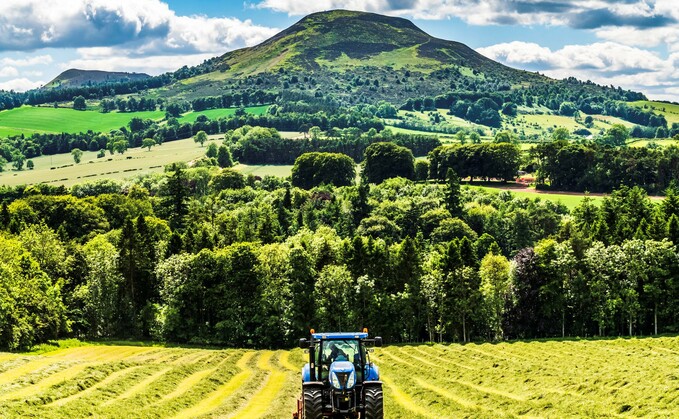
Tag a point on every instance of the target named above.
point(78, 78)
point(358, 57)
point(331, 40)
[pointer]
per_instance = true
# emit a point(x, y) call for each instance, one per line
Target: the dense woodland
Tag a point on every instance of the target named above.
point(205, 255)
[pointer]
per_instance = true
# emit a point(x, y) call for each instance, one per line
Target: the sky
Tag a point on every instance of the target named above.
point(629, 43)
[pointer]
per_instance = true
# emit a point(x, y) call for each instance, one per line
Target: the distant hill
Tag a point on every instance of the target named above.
point(78, 78)
point(338, 58)
point(357, 57)
point(340, 39)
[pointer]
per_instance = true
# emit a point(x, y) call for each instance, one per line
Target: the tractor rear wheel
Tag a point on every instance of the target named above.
point(313, 403)
point(374, 408)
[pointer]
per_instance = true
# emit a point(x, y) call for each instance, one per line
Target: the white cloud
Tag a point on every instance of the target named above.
point(27, 62)
point(147, 25)
point(604, 62)
point(8, 72)
point(20, 85)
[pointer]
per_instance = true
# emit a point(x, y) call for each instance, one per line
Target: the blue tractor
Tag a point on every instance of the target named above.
point(339, 381)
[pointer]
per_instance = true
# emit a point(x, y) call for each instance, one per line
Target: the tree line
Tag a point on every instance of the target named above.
point(207, 255)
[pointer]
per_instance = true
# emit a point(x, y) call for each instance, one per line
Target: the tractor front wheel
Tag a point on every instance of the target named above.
point(374, 408)
point(313, 403)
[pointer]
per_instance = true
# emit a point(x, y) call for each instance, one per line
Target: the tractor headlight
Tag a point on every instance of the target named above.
point(352, 380)
point(335, 381)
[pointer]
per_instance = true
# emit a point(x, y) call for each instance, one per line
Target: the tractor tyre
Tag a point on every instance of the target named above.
point(313, 403)
point(374, 408)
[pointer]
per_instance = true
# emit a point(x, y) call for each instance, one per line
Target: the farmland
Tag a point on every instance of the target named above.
point(28, 120)
point(574, 378)
point(60, 169)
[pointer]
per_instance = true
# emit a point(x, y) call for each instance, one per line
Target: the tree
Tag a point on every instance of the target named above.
point(200, 137)
point(567, 109)
point(227, 179)
point(211, 151)
point(77, 155)
point(421, 170)
point(616, 136)
point(224, 157)
point(453, 197)
point(494, 272)
point(29, 164)
point(504, 137)
point(560, 134)
point(18, 160)
point(79, 103)
point(387, 160)
point(176, 196)
point(313, 169)
point(148, 143)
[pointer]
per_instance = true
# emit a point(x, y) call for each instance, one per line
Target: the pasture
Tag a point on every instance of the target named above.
point(221, 113)
point(570, 200)
point(669, 110)
point(61, 170)
point(29, 120)
point(569, 378)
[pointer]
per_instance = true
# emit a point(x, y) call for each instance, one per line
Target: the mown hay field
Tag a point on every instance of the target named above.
point(599, 378)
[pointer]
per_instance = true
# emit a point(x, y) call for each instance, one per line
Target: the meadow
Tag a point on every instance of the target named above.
point(221, 113)
point(28, 120)
point(570, 200)
point(669, 110)
point(559, 378)
point(61, 170)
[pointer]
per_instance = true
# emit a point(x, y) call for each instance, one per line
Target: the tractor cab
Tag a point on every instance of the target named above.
point(339, 380)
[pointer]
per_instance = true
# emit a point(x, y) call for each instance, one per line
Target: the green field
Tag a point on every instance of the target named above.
point(618, 377)
point(28, 120)
point(570, 200)
point(261, 171)
point(670, 111)
point(220, 113)
point(134, 162)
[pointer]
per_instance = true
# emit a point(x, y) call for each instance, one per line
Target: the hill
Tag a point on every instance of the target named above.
point(357, 57)
point(341, 39)
point(539, 379)
point(79, 78)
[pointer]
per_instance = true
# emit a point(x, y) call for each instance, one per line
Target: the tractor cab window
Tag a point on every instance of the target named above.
point(340, 350)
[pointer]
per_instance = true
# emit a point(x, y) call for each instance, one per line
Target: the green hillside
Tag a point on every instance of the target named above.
point(669, 110)
point(604, 378)
point(77, 78)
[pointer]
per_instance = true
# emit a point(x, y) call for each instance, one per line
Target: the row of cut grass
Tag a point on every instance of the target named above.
point(559, 378)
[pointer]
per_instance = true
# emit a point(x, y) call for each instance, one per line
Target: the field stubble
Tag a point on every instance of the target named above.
point(609, 378)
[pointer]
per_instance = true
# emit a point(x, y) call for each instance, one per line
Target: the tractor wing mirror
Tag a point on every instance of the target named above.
point(303, 343)
point(378, 341)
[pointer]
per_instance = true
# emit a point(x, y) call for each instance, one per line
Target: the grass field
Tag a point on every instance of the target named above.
point(669, 110)
point(134, 162)
point(596, 378)
point(569, 200)
point(220, 113)
point(28, 120)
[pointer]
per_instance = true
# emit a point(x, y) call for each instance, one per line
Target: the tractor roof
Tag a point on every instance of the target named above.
point(340, 335)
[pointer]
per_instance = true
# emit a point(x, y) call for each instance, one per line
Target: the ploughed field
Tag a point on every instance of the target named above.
point(620, 377)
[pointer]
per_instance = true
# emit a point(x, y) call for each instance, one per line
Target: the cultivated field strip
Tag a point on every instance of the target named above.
point(552, 379)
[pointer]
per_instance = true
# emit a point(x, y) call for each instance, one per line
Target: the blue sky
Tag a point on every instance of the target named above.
point(628, 43)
